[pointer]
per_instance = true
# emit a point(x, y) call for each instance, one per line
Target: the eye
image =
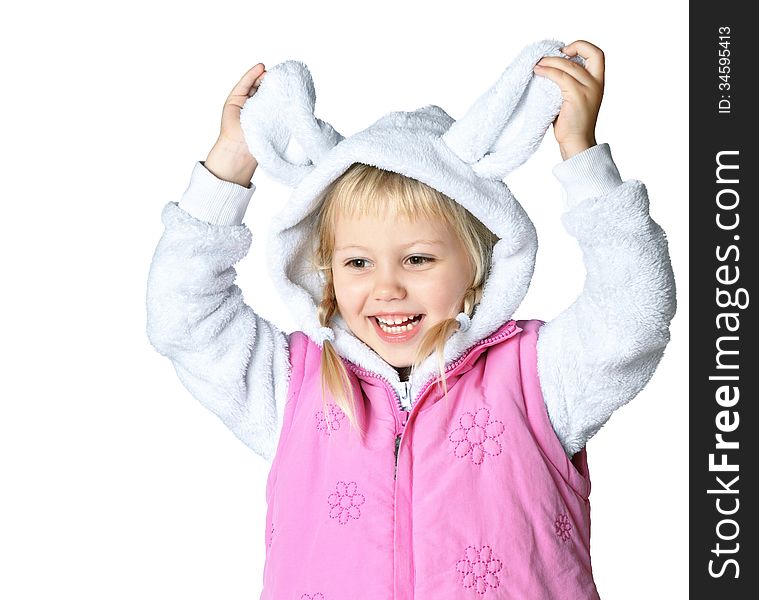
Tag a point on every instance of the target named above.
point(422, 260)
point(352, 263)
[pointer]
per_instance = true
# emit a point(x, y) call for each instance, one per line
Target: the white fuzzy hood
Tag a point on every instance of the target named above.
point(465, 159)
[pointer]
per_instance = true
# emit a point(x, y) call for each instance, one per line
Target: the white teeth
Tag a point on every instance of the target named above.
point(400, 329)
point(396, 320)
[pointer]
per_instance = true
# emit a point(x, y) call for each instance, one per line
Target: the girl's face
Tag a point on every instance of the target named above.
point(391, 270)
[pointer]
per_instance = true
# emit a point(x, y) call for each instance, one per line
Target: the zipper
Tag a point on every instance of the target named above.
point(395, 398)
point(397, 445)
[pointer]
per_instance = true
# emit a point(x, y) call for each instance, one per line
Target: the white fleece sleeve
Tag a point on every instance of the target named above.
point(229, 358)
point(601, 351)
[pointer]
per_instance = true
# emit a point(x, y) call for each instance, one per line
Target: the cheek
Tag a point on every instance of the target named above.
point(442, 293)
point(347, 292)
point(443, 287)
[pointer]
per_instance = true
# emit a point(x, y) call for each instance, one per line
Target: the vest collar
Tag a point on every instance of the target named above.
point(457, 366)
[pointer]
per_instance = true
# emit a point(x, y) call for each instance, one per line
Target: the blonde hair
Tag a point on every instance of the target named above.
point(365, 190)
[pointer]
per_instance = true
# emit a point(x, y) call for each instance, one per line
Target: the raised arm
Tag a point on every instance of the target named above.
point(229, 358)
point(600, 352)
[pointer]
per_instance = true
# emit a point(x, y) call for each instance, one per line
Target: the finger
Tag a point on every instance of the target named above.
point(570, 68)
point(258, 81)
point(244, 86)
point(593, 55)
point(567, 84)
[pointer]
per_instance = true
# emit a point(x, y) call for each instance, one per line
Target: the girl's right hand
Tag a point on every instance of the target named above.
point(230, 158)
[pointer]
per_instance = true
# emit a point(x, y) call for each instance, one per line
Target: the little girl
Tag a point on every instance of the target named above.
point(423, 443)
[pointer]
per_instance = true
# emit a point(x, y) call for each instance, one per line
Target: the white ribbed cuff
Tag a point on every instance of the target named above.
point(587, 174)
point(214, 200)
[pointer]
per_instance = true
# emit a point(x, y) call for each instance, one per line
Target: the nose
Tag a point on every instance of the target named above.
point(388, 285)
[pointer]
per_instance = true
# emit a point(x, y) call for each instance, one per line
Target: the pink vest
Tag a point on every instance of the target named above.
point(485, 503)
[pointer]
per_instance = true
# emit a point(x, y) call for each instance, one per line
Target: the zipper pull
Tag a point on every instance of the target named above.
point(403, 399)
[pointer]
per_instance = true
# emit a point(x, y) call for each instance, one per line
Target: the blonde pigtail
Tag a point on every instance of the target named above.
point(334, 375)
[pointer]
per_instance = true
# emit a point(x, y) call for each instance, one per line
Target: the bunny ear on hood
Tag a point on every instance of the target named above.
point(280, 127)
point(505, 126)
point(464, 159)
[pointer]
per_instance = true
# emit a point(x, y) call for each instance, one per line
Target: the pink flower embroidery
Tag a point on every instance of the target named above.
point(563, 527)
point(332, 421)
point(476, 436)
point(345, 501)
point(316, 596)
point(478, 569)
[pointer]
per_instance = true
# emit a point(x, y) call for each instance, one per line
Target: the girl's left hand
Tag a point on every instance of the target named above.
point(582, 89)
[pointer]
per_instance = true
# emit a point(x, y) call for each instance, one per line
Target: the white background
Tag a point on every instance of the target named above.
point(115, 482)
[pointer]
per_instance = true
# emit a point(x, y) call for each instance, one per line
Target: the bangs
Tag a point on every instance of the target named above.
point(366, 191)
